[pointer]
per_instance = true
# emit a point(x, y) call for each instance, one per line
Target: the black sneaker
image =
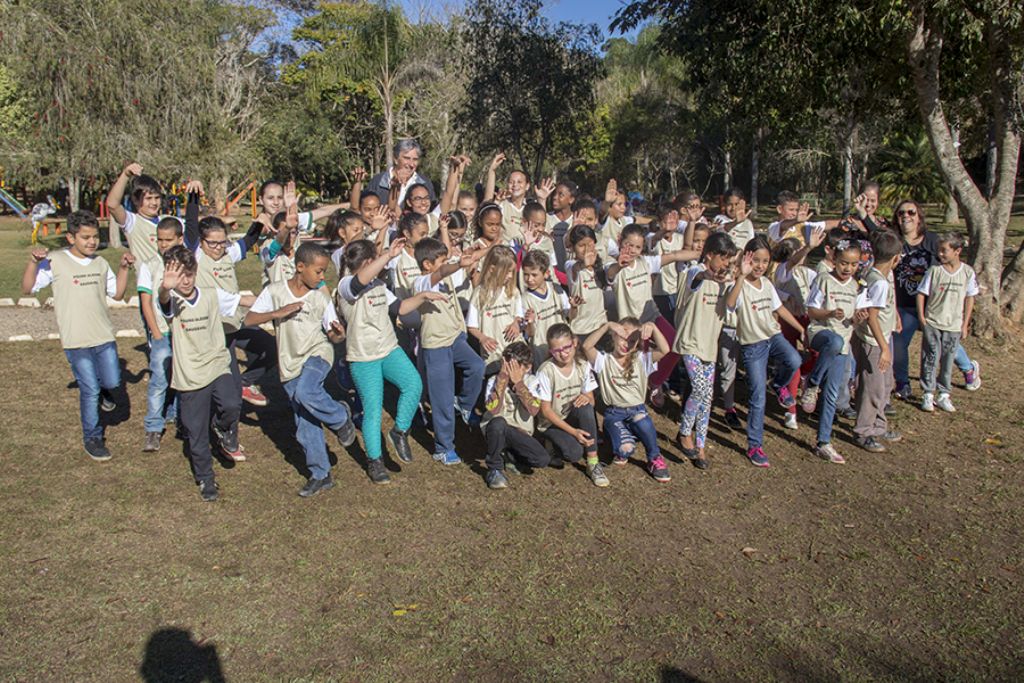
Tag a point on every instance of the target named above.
point(152, 444)
point(97, 450)
point(733, 420)
point(871, 445)
point(346, 434)
point(208, 490)
point(556, 463)
point(400, 440)
point(378, 475)
point(107, 404)
point(315, 486)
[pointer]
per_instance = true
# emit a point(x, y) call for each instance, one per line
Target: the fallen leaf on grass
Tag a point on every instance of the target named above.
point(402, 610)
point(994, 441)
point(748, 551)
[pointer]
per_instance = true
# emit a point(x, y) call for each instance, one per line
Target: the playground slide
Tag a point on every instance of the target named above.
point(15, 205)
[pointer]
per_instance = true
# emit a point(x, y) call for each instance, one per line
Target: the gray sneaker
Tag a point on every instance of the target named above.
point(315, 486)
point(496, 479)
point(376, 471)
point(97, 450)
point(152, 442)
point(597, 475)
point(871, 445)
point(208, 490)
point(892, 436)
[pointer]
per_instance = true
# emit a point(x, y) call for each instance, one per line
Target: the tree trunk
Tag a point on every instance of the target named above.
point(219, 193)
point(727, 171)
point(848, 172)
point(991, 159)
point(755, 163)
point(1013, 287)
point(74, 191)
point(986, 219)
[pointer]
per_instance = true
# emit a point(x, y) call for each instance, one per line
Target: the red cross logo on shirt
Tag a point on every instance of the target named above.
point(75, 281)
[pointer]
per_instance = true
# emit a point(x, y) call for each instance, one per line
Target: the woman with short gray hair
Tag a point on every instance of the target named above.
point(407, 154)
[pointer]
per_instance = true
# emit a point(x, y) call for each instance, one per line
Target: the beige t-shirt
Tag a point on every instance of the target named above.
point(741, 234)
point(946, 294)
point(612, 230)
point(280, 269)
point(700, 316)
point(829, 293)
point(511, 220)
point(666, 282)
point(632, 288)
point(561, 389)
point(442, 321)
point(220, 274)
point(370, 335)
point(879, 292)
point(302, 335)
point(197, 333)
point(405, 270)
point(794, 288)
point(493, 319)
point(755, 310)
point(80, 291)
point(149, 275)
point(141, 233)
point(617, 389)
point(548, 310)
point(514, 412)
point(591, 314)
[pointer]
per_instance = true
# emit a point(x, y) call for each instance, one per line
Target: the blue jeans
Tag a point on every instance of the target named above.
point(159, 381)
point(314, 408)
point(440, 365)
point(901, 346)
point(94, 368)
point(625, 425)
point(834, 370)
point(755, 360)
point(828, 344)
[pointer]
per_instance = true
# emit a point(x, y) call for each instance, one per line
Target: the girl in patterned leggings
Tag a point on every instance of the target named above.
point(699, 319)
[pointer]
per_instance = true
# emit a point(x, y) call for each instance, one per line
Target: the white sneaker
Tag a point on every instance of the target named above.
point(791, 421)
point(975, 384)
point(945, 403)
point(928, 403)
point(825, 451)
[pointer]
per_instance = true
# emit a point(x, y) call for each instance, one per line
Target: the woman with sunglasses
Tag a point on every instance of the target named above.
point(920, 252)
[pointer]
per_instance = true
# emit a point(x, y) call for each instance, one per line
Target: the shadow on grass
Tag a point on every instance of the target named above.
point(172, 655)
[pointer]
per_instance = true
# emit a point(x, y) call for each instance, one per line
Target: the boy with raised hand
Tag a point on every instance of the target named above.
point(140, 225)
point(307, 325)
point(794, 219)
point(81, 282)
point(201, 367)
point(159, 410)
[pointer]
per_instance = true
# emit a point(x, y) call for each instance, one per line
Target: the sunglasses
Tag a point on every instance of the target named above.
point(907, 212)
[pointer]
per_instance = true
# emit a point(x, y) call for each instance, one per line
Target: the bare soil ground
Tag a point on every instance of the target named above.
point(906, 565)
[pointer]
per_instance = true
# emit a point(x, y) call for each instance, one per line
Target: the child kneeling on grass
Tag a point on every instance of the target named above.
point(201, 369)
point(508, 422)
point(565, 386)
point(306, 325)
point(81, 283)
point(622, 376)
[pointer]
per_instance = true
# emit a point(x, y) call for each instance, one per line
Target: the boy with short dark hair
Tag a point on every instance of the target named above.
point(140, 225)
point(444, 344)
point(201, 367)
point(159, 409)
point(81, 282)
point(876, 319)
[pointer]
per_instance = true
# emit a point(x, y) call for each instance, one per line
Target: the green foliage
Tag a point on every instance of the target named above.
point(531, 84)
point(908, 168)
point(13, 117)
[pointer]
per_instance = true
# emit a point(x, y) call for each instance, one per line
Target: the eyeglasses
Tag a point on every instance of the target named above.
point(424, 198)
point(907, 212)
point(562, 349)
point(215, 245)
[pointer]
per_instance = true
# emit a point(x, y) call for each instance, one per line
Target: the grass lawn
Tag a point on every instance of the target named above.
point(899, 566)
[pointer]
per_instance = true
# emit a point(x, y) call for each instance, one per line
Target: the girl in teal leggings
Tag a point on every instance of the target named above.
point(372, 351)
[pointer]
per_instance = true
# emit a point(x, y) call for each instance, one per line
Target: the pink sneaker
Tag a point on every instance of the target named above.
point(658, 469)
point(757, 457)
point(786, 399)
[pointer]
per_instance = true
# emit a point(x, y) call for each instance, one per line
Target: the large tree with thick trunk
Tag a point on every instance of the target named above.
point(959, 56)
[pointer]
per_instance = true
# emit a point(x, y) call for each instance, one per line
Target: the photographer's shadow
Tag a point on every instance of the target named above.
point(172, 655)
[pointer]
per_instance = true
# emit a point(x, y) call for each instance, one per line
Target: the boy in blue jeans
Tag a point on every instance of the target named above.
point(81, 282)
point(161, 408)
point(444, 346)
point(307, 325)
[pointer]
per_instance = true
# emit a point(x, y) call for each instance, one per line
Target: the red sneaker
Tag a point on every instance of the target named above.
point(252, 394)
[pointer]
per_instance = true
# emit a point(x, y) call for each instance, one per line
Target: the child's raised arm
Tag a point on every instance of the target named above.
point(681, 255)
point(28, 279)
point(116, 195)
point(370, 271)
point(492, 172)
point(127, 260)
point(356, 193)
point(410, 304)
point(650, 331)
point(194, 190)
point(591, 342)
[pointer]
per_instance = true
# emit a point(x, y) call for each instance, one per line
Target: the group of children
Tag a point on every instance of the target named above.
point(523, 323)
